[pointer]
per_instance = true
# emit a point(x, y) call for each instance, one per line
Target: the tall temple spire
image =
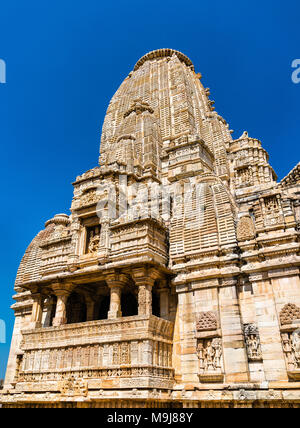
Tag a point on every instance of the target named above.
point(175, 281)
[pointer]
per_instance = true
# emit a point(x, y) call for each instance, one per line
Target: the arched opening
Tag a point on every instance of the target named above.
point(102, 308)
point(155, 303)
point(129, 305)
point(76, 309)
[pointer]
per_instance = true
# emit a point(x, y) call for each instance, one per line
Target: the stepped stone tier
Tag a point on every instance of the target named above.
point(175, 280)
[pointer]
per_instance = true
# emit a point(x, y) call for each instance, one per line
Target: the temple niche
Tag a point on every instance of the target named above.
point(93, 239)
point(174, 281)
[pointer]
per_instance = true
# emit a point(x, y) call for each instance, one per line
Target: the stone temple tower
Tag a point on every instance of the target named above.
point(175, 280)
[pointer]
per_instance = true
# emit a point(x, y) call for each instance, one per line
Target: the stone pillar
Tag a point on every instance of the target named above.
point(144, 279)
point(145, 299)
point(115, 302)
point(90, 308)
point(164, 303)
point(37, 311)
point(115, 282)
point(62, 293)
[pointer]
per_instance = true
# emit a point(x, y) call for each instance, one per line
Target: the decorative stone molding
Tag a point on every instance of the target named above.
point(139, 107)
point(207, 321)
point(289, 314)
point(245, 229)
point(163, 53)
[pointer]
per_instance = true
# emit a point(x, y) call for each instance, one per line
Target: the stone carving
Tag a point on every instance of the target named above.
point(71, 386)
point(93, 239)
point(138, 107)
point(88, 198)
point(296, 348)
point(207, 321)
point(291, 348)
point(94, 244)
point(271, 204)
point(244, 176)
point(121, 354)
point(210, 355)
point(252, 340)
point(245, 229)
point(289, 314)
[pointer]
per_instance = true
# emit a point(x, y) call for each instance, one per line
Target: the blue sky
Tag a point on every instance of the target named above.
point(66, 58)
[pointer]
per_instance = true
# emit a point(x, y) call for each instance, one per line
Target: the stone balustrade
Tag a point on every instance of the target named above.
point(102, 351)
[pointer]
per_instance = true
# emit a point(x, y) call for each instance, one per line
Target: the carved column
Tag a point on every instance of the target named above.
point(115, 282)
point(62, 293)
point(164, 302)
point(144, 279)
point(90, 308)
point(115, 302)
point(145, 299)
point(37, 311)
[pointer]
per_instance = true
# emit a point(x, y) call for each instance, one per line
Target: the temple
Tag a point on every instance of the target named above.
point(174, 282)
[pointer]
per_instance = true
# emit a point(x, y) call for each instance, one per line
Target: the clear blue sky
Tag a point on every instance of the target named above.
point(66, 58)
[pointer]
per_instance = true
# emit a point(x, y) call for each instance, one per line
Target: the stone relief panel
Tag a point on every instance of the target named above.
point(290, 337)
point(244, 177)
point(93, 239)
point(291, 348)
point(210, 353)
point(252, 341)
point(70, 386)
point(209, 348)
point(272, 211)
point(88, 198)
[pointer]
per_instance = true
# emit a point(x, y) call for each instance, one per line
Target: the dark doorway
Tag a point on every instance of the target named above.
point(76, 309)
point(129, 305)
point(155, 304)
point(103, 308)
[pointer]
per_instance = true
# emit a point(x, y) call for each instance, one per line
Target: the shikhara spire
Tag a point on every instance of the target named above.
point(175, 280)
